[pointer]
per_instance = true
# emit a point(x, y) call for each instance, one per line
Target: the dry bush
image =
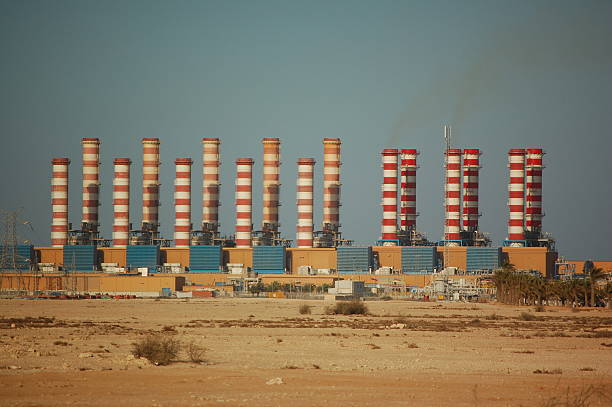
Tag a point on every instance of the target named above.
point(412, 345)
point(493, 317)
point(195, 352)
point(583, 397)
point(60, 343)
point(373, 346)
point(347, 308)
point(169, 329)
point(586, 369)
point(159, 350)
point(523, 351)
point(305, 309)
point(546, 371)
point(526, 316)
point(574, 309)
point(539, 308)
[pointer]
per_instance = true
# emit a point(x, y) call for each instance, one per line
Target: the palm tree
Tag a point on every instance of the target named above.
point(595, 274)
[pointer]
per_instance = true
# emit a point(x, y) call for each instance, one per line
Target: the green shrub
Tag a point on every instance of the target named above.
point(159, 350)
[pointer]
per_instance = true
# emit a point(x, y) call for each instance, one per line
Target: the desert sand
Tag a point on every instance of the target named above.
point(263, 352)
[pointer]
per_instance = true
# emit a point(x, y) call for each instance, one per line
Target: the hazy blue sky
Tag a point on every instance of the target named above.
point(377, 74)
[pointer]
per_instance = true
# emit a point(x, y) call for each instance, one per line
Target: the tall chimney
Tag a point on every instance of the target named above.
point(471, 167)
point(533, 178)
point(182, 202)
point(150, 182)
point(91, 181)
point(271, 185)
point(244, 201)
point(331, 181)
point(210, 182)
point(304, 202)
point(452, 223)
point(389, 195)
point(409, 167)
point(59, 201)
point(121, 202)
point(516, 195)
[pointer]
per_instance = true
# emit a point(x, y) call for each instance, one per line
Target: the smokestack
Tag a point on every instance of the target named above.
point(304, 202)
point(91, 181)
point(389, 195)
point(244, 201)
point(452, 223)
point(471, 167)
point(121, 202)
point(150, 182)
point(516, 195)
point(533, 204)
point(331, 181)
point(59, 201)
point(210, 182)
point(271, 185)
point(408, 166)
point(182, 202)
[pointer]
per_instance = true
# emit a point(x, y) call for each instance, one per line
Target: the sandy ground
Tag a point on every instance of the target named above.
point(78, 352)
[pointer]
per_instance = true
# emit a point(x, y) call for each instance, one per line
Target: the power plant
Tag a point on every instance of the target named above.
point(400, 250)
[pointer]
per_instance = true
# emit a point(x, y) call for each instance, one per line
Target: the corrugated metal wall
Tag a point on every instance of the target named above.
point(142, 256)
point(24, 256)
point(80, 258)
point(483, 258)
point(269, 259)
point(353, 260)
point(419, 259)
point(205, 259)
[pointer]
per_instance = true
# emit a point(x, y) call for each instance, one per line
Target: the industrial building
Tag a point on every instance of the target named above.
point(401, 251)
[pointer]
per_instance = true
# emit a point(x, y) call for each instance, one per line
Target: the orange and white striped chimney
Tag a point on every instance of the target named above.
point(389, 195)
point(471, 168)
point(210, 181)
point(150, 182)
point(91, 180)
point(331, 181)
point(533, 180)
point(305, 202)
point(408, 165)
point(182, 202)
point(271, 182)
point(121, 202)
point(452, 222)
point(59, 201)
point(516, 195)
point(244, 202)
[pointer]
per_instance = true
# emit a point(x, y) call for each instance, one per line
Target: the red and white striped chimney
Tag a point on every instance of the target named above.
point(121, 202)
point(408, 165)
point(471, 168)
point(91, 180)
point(244, 201)
point(150, 182)
point(452, 223)
point(271, 183)
point(516, 195)
point(210, 181)
point(389, 195)
point(59, 201)
point(533, 180)
point(304, 202)
point(182, 202)
point(331, 181)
